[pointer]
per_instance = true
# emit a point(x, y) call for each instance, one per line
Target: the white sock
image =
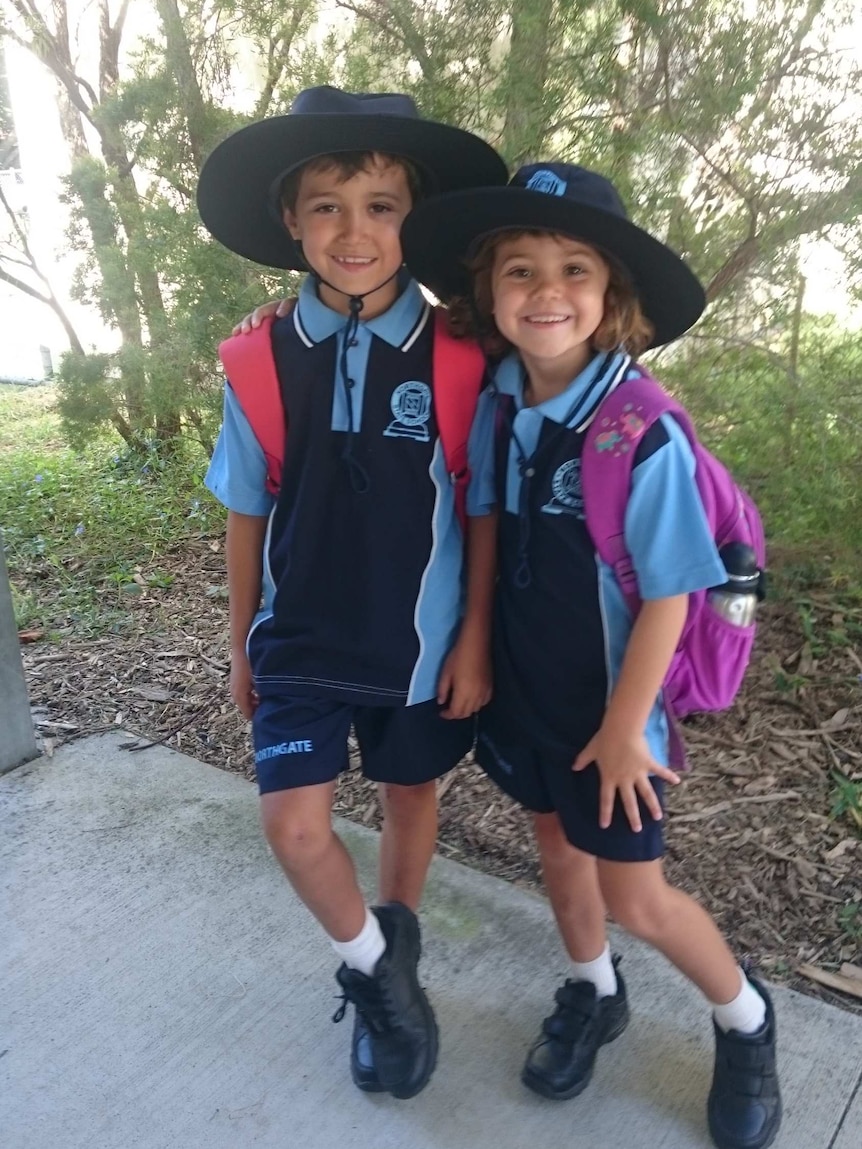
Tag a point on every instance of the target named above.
point(366, 949)
point(746, 1013)
point(600, 971)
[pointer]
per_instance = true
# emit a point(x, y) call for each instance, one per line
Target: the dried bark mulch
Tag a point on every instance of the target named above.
point(752, 832)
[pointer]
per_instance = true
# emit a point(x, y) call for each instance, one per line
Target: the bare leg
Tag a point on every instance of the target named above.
point(641, 901)
point(572, 881)
point(298, 826)
point(407, 841)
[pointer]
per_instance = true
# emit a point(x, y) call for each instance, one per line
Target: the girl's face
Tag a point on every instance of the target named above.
point(549, 298)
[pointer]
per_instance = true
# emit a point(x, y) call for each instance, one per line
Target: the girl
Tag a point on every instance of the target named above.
point(552, 270)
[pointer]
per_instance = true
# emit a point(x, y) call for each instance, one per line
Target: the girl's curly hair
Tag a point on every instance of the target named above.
point(623, 323)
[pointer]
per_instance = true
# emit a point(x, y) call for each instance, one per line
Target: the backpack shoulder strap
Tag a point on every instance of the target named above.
point(458, 371)
point(249, 365)
point(606, 467)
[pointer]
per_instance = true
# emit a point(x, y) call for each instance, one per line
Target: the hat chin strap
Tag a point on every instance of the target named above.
point(359, 477)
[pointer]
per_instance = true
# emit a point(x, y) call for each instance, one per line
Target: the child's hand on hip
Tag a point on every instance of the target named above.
point(625, 765)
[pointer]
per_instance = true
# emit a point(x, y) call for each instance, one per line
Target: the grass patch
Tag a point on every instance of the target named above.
point(28, 419)
point(80, 527)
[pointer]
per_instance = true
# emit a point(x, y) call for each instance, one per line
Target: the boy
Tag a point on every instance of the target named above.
point(360, 555)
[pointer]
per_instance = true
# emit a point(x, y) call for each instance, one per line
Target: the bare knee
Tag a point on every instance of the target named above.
point(298, 838)
point(643, 909)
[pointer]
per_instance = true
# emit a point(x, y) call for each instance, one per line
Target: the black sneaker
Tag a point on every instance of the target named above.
point(744, 1107)
point(561, 1059)
point(394, 1008)
point(362, 1068)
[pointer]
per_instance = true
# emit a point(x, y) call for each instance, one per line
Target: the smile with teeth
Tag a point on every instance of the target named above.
point(353, 260)
point(547, 319)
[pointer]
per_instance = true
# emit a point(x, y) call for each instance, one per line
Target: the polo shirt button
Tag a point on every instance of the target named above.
point(530, 472)
point(353, 343)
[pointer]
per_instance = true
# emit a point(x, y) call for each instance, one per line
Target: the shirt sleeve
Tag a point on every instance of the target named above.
point(237, 470)
point(481, 492)
point(666, 529)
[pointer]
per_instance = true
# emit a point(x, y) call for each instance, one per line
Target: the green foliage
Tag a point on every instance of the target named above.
point(850, 921)
point(76, 523)
point(28, 418)
point(793, 437)
point(725, 124)
point(847, 800)
point(87, 398)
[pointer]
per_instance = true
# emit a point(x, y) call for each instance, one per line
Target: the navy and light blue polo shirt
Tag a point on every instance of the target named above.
point(362, 588)
point(561, 621)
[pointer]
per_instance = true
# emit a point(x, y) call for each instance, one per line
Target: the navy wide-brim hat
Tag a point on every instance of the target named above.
point(441, 234)
point(238, 190)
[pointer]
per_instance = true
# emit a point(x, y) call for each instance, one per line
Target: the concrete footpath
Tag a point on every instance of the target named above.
point(163, 989)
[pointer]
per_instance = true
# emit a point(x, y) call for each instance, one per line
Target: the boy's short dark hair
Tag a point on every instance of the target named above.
point(347, 165)
point(623, 323)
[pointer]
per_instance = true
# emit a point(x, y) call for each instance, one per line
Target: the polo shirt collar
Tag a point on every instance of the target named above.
point(398, 325)
point(602, 373)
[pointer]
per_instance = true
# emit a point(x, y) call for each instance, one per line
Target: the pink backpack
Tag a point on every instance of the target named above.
point(710, 661)
point(458, 370)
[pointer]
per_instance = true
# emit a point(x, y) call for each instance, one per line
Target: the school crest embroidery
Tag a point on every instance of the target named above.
point(547, 182)
point(566, 495)
point(411, 408)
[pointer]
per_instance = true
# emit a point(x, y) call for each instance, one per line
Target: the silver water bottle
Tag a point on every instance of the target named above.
point(736, 600)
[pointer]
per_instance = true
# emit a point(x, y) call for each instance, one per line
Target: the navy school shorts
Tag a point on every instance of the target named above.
point(301, 741)
point(544, 782)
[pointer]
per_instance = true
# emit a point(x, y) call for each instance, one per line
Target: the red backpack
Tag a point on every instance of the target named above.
point(458, 370)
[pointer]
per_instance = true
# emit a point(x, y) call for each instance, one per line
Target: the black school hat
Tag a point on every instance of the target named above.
point(440, 234)
point(239, 185)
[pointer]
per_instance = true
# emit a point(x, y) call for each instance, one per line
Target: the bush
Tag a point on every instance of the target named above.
point(793, 439)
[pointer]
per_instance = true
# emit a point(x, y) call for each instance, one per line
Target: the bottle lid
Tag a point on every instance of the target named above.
point(739, 559)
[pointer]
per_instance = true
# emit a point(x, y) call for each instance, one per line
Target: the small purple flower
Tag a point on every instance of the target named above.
point(37, 479)
point(79, 530)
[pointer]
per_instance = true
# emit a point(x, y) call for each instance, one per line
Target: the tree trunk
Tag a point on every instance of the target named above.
point(526, 71)
point(179, 61)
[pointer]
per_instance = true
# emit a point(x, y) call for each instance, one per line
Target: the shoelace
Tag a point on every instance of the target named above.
point(372, 1002)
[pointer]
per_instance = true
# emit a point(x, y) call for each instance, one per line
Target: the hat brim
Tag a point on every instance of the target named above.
point(239, 182)
point(439, 234)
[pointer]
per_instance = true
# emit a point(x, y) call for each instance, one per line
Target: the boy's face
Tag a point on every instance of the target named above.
point(549, 298)
point(350, 231)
